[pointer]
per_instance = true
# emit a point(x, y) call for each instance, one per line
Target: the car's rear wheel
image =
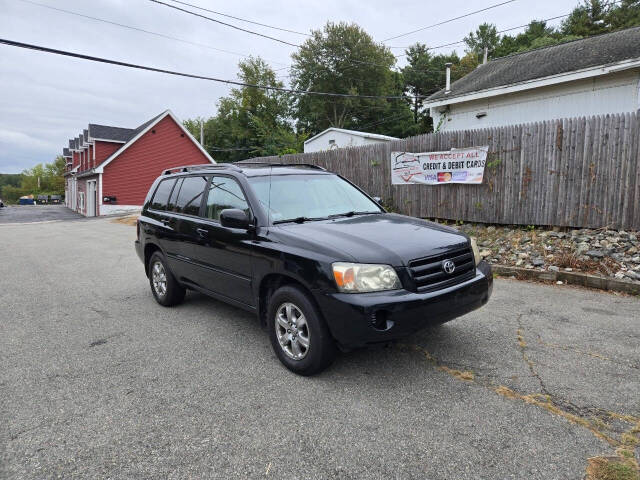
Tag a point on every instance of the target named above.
point(164, 286)
point(298, 333)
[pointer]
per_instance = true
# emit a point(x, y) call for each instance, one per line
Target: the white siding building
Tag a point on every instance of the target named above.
point(333, 138)
point(592, 76)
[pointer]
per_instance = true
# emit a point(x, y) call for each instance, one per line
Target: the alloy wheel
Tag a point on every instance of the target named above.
point(292, 331)
point(159, 279)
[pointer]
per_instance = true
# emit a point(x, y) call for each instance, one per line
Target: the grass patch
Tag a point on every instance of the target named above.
point(612, 468)
point(629, 439)
point(459, 374)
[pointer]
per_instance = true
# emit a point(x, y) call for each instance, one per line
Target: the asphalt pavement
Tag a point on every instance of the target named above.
point(99, 381)
point(36, 213)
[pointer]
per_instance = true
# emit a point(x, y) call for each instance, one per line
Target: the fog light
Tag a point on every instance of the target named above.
point(381, 320)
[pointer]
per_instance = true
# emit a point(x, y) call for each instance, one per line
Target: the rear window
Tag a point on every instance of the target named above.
point(190, 195)
point(161, 196)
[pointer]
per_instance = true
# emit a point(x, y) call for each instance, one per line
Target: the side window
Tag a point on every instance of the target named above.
point(161, 196)
point(224, 193)
point(171, 206)
point(190, 195)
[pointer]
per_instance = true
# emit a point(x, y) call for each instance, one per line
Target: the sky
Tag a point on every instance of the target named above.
point(46, 99)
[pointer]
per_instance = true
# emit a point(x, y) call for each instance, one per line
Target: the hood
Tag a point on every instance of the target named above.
point(388, 238)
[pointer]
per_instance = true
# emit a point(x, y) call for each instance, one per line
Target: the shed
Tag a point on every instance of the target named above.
point(333, 137)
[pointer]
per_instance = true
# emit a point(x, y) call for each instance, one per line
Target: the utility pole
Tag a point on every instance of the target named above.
point(486, 54)
point(202, 133)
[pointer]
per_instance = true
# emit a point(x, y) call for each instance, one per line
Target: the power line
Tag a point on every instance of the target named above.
point(499, 31)
point(239, 18)
point(450, 20)
point(66, 53)
point(226, 24)
point(503, 31)
point(397, 116)
point(97, 19)
point(239, 28)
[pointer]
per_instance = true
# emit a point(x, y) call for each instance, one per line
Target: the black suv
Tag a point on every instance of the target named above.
point(321, 263)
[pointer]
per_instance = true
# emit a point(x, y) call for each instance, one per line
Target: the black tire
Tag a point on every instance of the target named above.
point(321, 349)
point(173, 292)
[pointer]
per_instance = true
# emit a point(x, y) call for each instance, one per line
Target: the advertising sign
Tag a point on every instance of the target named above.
point(460, 165)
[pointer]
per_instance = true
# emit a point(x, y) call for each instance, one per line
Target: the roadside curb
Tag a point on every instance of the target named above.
point(570, 278)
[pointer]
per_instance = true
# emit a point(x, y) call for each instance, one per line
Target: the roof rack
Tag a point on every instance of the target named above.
point(205, 166)
point(267, 164)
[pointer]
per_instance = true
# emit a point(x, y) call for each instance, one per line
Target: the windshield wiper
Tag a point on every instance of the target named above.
point(299, 220)
point(352, 213)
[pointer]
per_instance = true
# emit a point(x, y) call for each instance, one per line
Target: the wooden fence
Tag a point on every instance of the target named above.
point(578, 172)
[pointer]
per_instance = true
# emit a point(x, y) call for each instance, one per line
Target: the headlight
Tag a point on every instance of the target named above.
point(476, 251)
point(364, 277)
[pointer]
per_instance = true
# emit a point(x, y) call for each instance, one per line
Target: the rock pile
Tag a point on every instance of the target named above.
point(612, 253)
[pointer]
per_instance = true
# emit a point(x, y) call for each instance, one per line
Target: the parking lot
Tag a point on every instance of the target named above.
point(36, 213)
point(98, 380)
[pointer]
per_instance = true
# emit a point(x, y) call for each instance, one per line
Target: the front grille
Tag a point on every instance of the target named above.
point(428, 272)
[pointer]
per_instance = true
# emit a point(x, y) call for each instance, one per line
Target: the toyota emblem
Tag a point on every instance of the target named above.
point(448, 266)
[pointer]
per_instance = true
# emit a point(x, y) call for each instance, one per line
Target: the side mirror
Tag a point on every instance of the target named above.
point(378, 200)
point(234, 218)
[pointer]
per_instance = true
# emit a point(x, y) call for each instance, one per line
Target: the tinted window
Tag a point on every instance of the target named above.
point(224, 193)
point(174, 195)
point(190, 195)
point(161, 196)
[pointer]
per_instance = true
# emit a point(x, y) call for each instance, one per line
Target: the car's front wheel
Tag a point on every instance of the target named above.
point(298, 333)
point(164, 286)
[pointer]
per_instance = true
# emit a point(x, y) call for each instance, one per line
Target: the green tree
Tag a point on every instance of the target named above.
point(343, 58)
point(587, 19)
point(425, 74)
point(623, 15)
point(510, 44)
point(251, 121)
point(45, 178)
point(10, 189)
point(485, 36)
point(463, 66)
point(42, 179)
point(419, 78)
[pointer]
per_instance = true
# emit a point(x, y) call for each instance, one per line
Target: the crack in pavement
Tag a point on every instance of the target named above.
point(522, 344)
point(575, 414)
point(591, 418)
point(571, 348)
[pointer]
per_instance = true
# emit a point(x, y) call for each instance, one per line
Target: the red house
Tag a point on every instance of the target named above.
point(110, 169)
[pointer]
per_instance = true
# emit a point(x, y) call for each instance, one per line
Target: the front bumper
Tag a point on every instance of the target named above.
point(356, 320)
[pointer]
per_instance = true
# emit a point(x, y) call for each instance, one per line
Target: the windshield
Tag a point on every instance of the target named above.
point(310, 197)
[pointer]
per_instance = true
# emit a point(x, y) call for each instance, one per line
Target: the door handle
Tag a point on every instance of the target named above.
point(165, 221)
point(203, 232)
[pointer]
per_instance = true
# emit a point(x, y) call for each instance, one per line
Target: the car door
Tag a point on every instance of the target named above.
point(183, 210)
point(224, 254)
point(162, 223)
